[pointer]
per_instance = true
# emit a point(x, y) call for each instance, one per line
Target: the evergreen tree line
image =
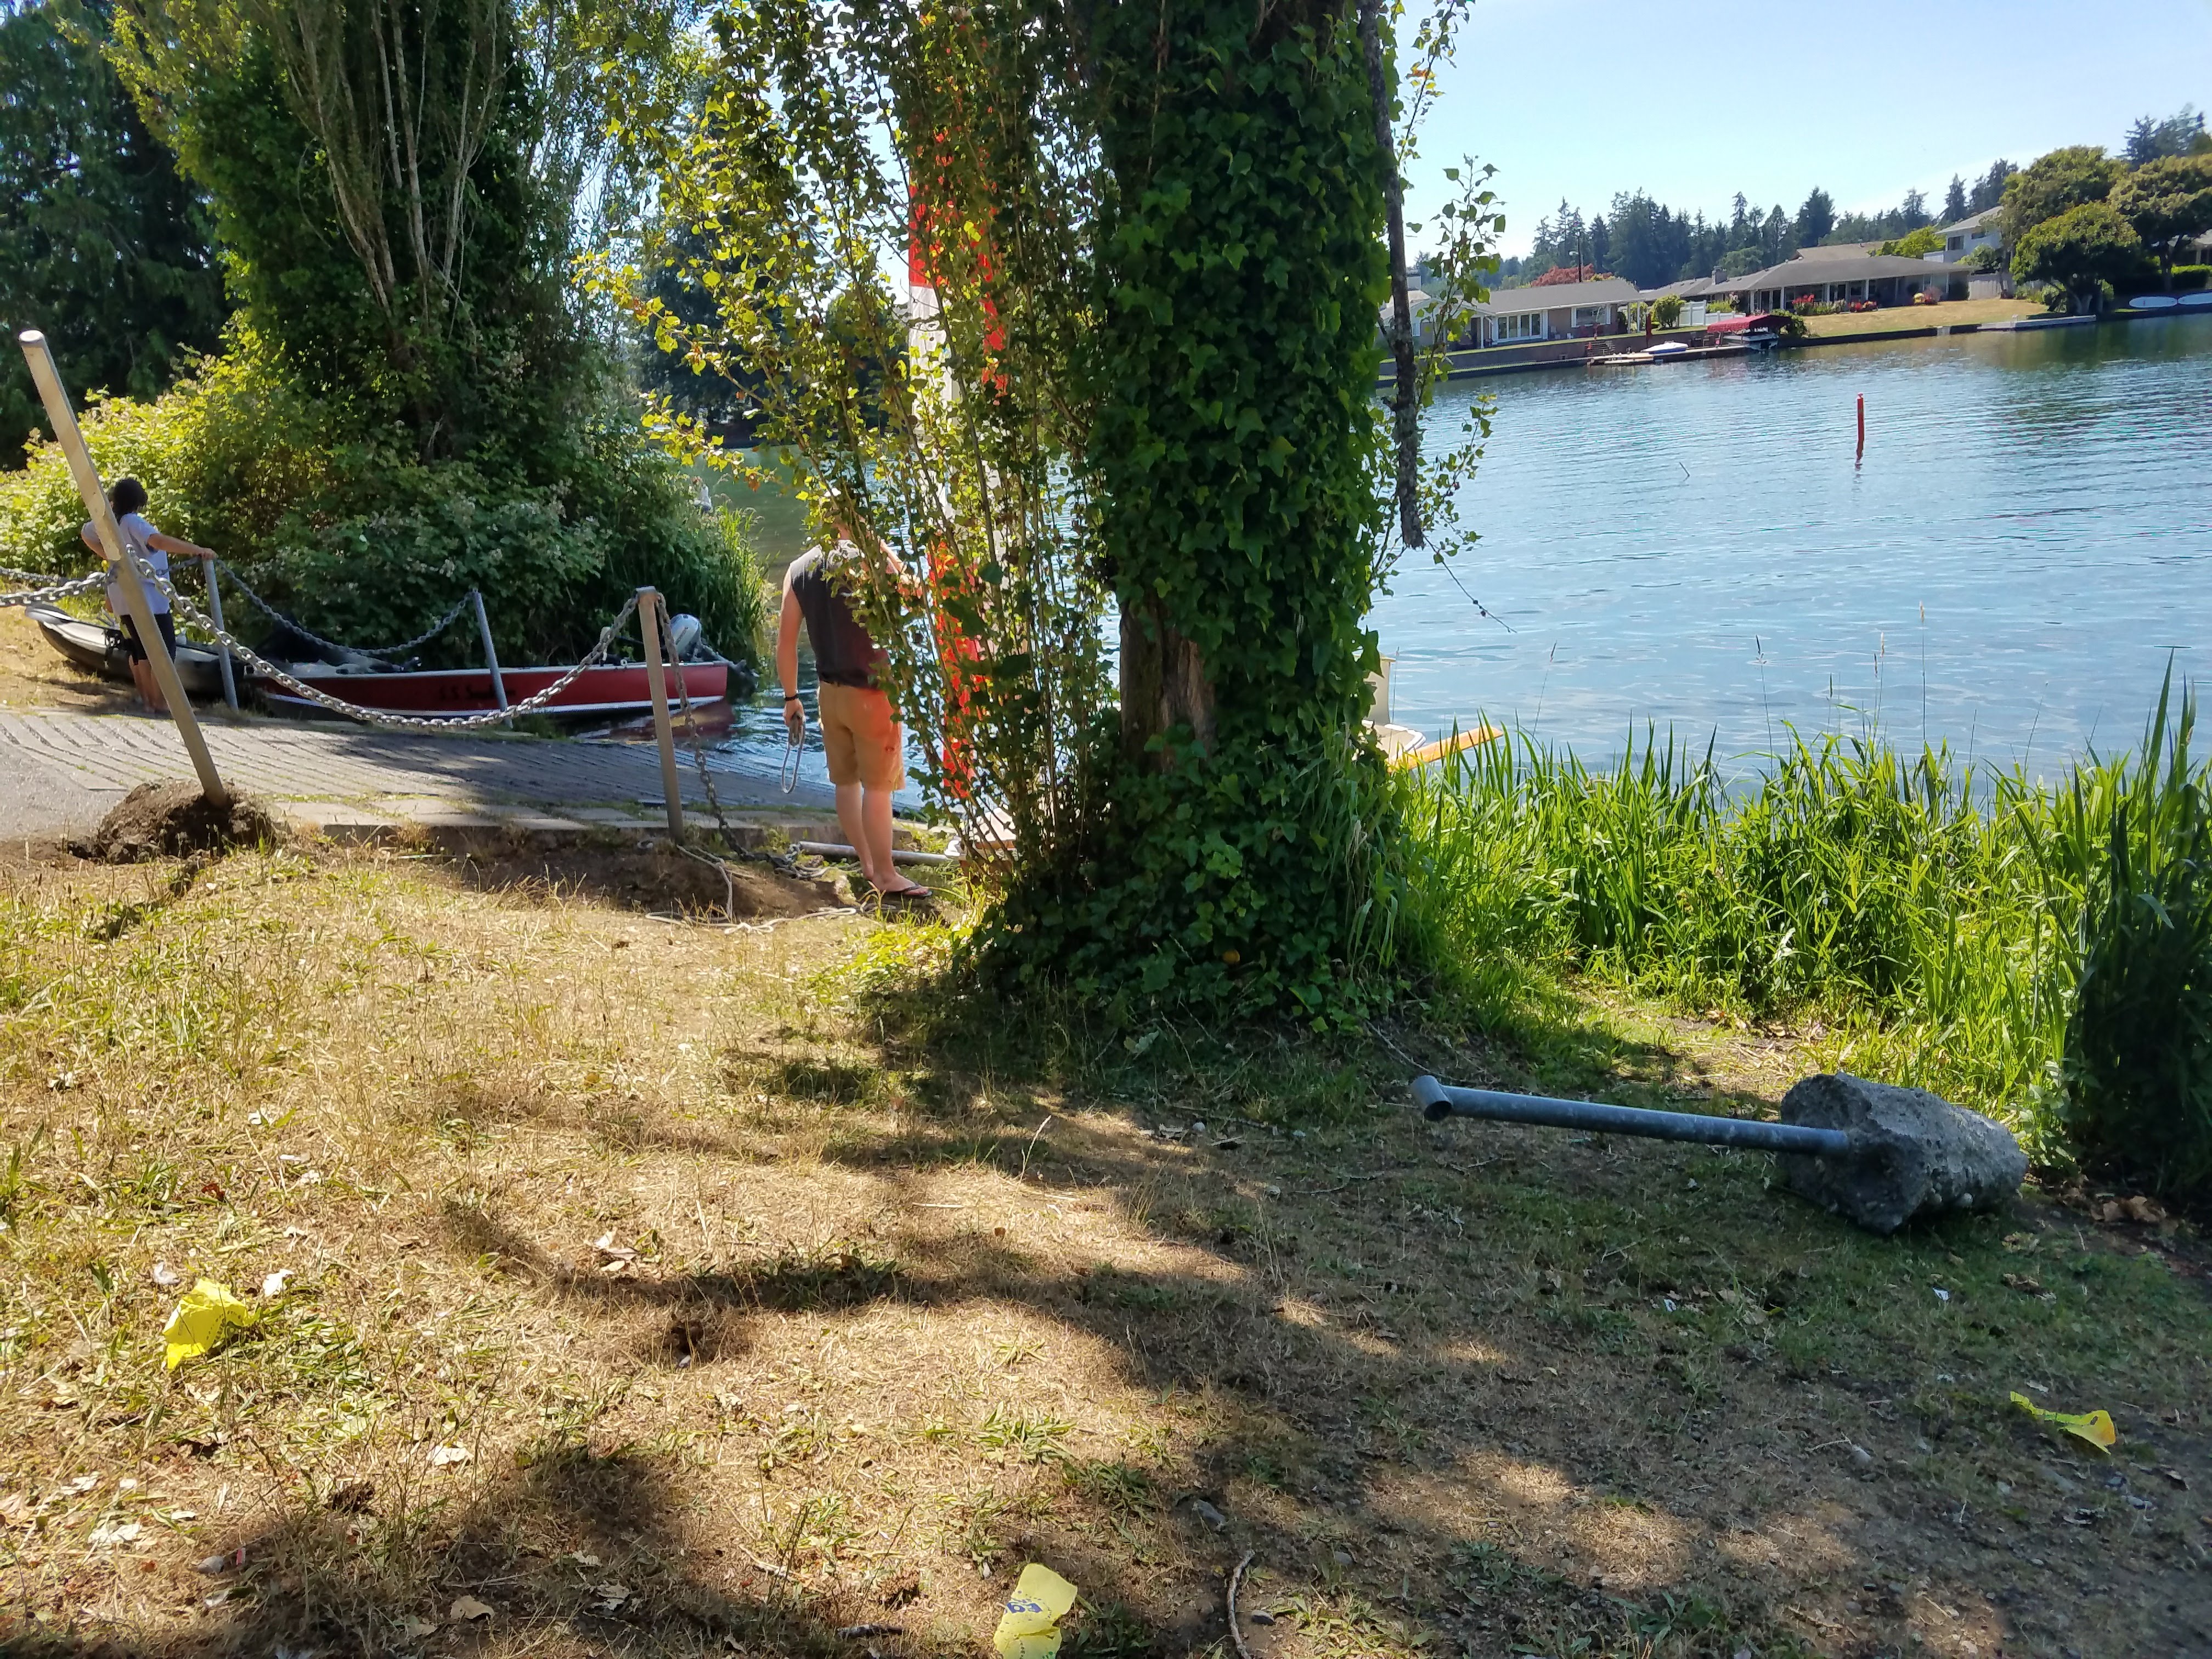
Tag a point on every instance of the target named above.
point(1651, 245)
point(102, 244)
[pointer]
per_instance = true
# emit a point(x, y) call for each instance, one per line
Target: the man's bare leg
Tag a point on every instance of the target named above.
point(876, 810)
point(852, 817)
point(150, 689)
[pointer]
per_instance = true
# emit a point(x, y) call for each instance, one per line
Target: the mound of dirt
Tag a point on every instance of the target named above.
point(170, 819)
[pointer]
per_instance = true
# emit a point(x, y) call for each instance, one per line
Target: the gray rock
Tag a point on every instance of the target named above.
point(1917, 1154)
point(1207, 1514)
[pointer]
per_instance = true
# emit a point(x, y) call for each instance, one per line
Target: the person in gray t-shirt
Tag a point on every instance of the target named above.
point(128, 498)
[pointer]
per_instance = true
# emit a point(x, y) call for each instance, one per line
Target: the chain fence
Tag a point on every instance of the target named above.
point(61, 588)
point(298, 687)
point(313, 638)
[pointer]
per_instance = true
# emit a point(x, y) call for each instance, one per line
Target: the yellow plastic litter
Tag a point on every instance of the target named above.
point(207, 1312)
point(1030, 1626)
point(2095, 1427)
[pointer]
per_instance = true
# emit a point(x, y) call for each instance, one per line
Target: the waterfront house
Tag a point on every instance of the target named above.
point(1834, 275)
point(1965, 238)
point(1558, 311)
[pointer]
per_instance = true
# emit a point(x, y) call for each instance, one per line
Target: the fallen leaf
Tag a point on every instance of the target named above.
point(2143, 1209)
point(583, 1560)
point(467, 1607)
point(2177, 1477)
point(15, 1508)
point(114, 1532)
point(412, 1630)
point(441, 1456)
point(83, 1482)
point(167, 1279)
point(610, 1596)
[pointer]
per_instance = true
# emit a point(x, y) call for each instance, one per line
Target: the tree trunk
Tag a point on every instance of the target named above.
point(1164, 684)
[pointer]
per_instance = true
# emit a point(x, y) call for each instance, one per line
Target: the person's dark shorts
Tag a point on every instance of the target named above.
point(163, 621)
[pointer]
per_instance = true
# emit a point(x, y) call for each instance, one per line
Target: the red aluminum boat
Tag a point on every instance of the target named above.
point(607, 689)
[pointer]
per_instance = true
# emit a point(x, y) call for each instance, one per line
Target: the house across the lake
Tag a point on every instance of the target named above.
point(1969, 236)
point(1559, 311)
point(1838, 275)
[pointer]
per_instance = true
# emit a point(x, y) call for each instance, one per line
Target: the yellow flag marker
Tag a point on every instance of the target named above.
point(207, 1312)
point(2095, 1427)
point(1030, 1626)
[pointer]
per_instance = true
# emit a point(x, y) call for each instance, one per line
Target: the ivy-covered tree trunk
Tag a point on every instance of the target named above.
point(1241, 265)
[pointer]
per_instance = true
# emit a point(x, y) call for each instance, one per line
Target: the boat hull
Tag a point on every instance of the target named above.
point(450, 693)
point(100, 649)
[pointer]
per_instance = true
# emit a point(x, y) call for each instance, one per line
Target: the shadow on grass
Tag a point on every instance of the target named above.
point(1465, 1391)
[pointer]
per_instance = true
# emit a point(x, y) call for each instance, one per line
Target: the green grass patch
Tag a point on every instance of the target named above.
point(2041, 953)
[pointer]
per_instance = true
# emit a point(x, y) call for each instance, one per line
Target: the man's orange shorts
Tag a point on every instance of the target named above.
point(861, 735)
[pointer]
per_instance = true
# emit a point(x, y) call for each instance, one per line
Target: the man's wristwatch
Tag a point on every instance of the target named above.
point(791, 696)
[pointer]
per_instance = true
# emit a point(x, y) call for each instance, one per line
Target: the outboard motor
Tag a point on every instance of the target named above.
point(684, 636)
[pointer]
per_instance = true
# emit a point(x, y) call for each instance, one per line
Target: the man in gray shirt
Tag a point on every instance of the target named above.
point(861, 732)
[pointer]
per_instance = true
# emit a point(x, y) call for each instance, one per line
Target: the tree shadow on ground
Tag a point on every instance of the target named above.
point(1467, 1391)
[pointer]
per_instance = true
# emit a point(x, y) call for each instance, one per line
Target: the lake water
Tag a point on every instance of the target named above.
point(2027, 540)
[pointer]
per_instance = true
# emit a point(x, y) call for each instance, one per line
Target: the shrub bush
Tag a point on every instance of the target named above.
point(362, 542)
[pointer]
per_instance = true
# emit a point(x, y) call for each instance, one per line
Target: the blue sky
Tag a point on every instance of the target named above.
point(1582, 98)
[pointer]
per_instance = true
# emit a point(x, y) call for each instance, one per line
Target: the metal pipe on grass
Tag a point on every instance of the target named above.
point(1440, 1101)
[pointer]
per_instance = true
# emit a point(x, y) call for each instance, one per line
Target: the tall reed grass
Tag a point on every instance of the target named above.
point(2043, 952)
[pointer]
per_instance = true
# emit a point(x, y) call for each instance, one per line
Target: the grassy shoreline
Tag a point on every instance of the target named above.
point(773, 1282)
point(2024, 948)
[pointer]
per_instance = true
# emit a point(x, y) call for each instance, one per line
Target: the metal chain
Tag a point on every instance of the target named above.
point(281, 620)
point(9, 573)
point(61, 590)
point(698, 753)
point(786, 863)
point(263, 667)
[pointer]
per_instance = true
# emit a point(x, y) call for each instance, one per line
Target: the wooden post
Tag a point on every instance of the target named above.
point(215, 614)
point(491, 656)
point(1861, 454)
point(63, 421)
point(671, 784)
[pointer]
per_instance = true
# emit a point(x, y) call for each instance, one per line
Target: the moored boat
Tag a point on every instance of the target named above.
point(603, 689)
point(1761, 330)
point(100, 648)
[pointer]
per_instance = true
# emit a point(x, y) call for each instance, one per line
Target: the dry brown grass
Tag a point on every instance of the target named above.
point(886, 1308)
point(34, 675)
